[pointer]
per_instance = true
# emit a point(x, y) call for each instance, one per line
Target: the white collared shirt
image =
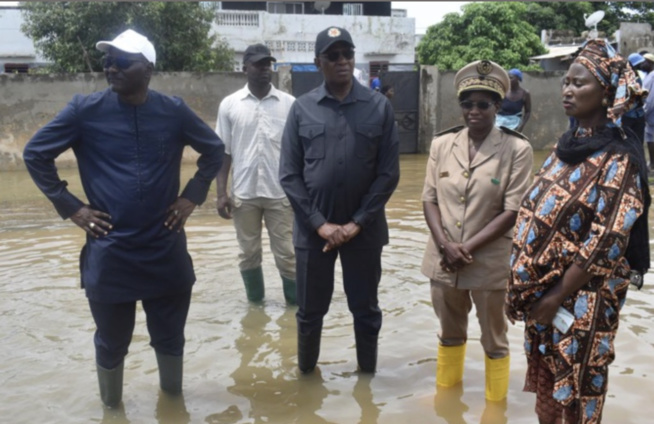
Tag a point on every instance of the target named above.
point(252, 132)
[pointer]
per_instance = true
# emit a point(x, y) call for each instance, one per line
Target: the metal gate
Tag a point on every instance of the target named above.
point(303, 82)
point(406, 85)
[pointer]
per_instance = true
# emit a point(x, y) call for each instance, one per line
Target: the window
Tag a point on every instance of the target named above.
point(16, 68)
point(353, 9)
point(291, 8)
point(377, 68)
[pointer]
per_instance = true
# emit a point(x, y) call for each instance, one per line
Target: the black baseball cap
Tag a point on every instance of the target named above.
point(257, 52)
point(331, 35)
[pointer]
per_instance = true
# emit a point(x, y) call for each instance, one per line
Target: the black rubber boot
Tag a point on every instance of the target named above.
point(289, 290)
point(308, 350)
point(171, 370)
point(111, 385)
point(366, 352)
point(253, 280)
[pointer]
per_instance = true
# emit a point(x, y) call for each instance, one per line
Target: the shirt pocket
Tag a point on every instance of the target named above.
point(367, 138)
point(313, 140)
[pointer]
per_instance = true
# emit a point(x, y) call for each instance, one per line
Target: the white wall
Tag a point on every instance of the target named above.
point(14, 45)
point(291, 38)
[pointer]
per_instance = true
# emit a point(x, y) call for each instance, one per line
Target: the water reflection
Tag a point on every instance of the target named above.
point(240, 359)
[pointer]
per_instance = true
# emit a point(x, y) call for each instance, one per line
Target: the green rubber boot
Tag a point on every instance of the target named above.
point(289, 290)
point(253, 280)
point(171, 371)
point(111, 385)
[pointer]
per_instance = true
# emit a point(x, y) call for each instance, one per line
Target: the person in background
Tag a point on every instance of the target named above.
point(388, 91)
point(634, 118)
point(476, 176)
point(648, 65)
point(251, 122)
point(648, 109)
point(581, 235)
point(516, 106)
point(339, 167)
point(375, 84)
point(128, 141)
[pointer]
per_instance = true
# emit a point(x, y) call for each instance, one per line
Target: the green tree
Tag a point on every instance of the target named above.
point(490, 30)
point(66, 33)
point(559, 15)
point(570, 15)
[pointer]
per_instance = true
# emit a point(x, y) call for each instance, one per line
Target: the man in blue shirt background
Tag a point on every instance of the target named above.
point(128, 141)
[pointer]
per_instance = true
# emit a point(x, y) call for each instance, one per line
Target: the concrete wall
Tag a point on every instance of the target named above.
point(30, 101)
point(634, 37)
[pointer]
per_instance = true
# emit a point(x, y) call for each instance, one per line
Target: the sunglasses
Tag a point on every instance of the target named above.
point(334, 55)
point(468, 105)
point(119, 61)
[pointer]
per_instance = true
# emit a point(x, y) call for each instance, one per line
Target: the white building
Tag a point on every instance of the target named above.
point(289, 29)
point(384, 37)
point(17, 52)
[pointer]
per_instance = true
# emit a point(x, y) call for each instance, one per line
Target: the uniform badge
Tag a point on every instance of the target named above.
point(484, 67)
point(334, 32)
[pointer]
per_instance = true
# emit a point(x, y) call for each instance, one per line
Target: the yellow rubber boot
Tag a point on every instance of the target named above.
point(449, 365)
point(497, 378)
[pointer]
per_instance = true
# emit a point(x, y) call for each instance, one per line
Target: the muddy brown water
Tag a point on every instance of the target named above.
point(240, 362)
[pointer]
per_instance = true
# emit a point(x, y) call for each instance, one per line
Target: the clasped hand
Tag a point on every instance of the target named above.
point(337, 235)
point(455, 256)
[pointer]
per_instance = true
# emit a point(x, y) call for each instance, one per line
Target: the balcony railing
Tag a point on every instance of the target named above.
point(237, 18)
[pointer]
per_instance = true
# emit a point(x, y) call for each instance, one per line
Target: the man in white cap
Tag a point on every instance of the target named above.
point(128, 141)
point(250, 122)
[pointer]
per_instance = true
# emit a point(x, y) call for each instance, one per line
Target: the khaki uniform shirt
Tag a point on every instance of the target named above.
point(469, 195)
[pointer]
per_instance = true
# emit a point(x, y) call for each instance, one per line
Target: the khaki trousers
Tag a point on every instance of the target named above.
point(277, 214)
point(452, 307)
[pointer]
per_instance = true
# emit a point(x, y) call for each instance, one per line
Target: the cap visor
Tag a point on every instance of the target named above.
point(104, 46)
point(324, 49)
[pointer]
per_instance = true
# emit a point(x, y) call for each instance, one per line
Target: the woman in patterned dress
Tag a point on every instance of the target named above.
point(580, 234)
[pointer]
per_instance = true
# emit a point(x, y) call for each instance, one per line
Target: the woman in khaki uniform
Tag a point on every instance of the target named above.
point(476, 176)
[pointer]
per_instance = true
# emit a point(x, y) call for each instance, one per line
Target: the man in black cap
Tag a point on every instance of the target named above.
point(250, 123)
point(339, 166)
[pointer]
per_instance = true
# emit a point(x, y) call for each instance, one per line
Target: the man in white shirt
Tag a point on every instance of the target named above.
point(251, 122)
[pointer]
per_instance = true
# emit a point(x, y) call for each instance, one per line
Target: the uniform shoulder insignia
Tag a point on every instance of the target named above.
point(514, 132)
point(451, 130)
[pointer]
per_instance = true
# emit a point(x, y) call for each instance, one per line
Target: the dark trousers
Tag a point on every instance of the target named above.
point(315, 286)
point(165, 316)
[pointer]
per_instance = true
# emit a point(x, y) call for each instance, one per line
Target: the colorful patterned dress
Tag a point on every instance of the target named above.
point(575, 214)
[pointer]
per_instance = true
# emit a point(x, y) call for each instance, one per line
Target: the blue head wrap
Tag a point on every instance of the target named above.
point(516, 73)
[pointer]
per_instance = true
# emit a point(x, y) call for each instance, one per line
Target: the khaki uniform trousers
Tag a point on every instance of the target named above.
point(452, 307)
point(277, 214)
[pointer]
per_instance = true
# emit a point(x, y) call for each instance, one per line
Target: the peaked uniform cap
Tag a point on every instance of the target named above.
point(482, 75)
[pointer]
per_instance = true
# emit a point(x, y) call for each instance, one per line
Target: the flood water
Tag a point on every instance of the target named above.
point(240, 362)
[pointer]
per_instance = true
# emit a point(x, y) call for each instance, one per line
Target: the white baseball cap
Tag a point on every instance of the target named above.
point(130, 41)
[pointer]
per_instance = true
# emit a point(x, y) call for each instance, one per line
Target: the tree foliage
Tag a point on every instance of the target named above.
point(490, 30)
point(509, 32)
point(567, 15)
point(66, 32)
point(570, 15)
